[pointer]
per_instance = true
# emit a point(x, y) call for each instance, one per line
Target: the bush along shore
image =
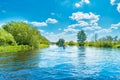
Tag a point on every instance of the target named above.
point(20, 36)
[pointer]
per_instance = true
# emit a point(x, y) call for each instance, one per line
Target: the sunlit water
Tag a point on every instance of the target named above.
point(55, 63)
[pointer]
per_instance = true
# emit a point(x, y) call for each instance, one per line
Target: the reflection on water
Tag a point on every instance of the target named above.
point(56, 63)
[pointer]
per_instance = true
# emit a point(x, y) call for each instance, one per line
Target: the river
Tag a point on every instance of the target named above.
point(54, 63)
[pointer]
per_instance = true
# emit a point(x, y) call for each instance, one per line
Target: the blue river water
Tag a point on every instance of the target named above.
point(54, 63)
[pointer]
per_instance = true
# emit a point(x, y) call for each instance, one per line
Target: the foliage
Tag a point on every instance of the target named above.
point(72, 43)
point(6, 38)
point(107, 41)
point(7, 49)
point(81, 38)
point(60, 42)
point(43, 46)
point(25, 34)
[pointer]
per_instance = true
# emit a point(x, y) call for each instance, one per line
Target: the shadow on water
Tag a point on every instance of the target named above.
point(18, 61)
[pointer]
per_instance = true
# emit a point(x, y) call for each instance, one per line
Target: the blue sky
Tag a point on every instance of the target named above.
point(64, 18)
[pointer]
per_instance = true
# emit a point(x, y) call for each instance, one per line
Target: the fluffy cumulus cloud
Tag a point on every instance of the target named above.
point(115, 26)
point(104, 30)
point(40, 24)
point(86, 20)
point(116, 2)
point(79, 4)
point(71, 30)
point(110, 29)
point(112, 2)
point(52, 21)
point(80, 16)
point(118, 7)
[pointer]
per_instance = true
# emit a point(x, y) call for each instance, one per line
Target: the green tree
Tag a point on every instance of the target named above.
point(24, 33)
point(6, 38)
point(81, 36)
point(61, 42)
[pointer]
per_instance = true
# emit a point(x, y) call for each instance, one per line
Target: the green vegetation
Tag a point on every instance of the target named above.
point(107, 41)
point(8, 49)
point(71, 43)
point(19, 36)
point(25, 34)
point(6, 38)
point(61, 42)
point(81, 38)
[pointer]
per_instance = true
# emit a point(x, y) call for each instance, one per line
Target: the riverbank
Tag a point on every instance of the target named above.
point(20, 48)
point(96, 44)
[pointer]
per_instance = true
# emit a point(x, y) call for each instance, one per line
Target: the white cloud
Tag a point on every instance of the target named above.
point(39, 23)
point(78, 16)
point(71, 30)
point(115, 26)
point(54, 37)
point(86, 20)
point(1, 24)
point(92, 28)
point(26, 21)
point(52, 21)
point(74, 25)
point(42, 31)
point(104, 31)
point(118, 7)
point(116, 2)
point(83, 23)
point(79, 4)
point(110, 29)
point(112, 2)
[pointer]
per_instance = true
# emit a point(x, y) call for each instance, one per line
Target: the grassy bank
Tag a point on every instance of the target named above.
point(20, 48)
point(43, 46)
point(103, 44)
point(8, 49)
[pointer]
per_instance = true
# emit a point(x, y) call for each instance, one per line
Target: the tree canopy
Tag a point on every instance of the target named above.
point(6, 38)
point(81, 36)
point(24, 34)
point(61, 42)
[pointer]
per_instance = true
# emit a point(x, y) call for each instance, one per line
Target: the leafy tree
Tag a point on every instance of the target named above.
point(24, 34)
point(6, 38)
point(61, 42)
point(81, 38)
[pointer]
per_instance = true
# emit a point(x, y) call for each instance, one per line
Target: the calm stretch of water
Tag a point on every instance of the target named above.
point(56, 63)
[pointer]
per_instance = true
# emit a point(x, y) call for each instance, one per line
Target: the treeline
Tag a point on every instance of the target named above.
point(107, 41)
point(20, 33)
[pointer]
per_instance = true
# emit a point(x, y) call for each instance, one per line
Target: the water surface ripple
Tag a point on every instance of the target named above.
point(55, 63)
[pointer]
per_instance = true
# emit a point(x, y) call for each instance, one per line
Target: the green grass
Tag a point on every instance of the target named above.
point(7, 49)
point(19, 48)
point(43, 46)
point(117, 46)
